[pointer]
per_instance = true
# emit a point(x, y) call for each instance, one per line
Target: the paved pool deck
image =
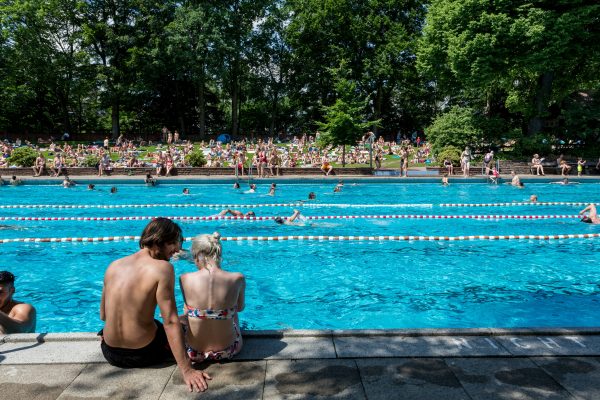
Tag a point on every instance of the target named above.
point(399, 364)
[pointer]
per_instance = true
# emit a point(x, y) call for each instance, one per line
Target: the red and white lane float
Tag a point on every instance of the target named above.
point(104, 206)
point(311, 217)
point(324, 238)
point(522, 203)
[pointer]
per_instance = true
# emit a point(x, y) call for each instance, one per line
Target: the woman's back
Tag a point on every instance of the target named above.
point(212, 300)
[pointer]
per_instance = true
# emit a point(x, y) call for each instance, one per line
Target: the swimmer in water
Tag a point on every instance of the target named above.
point(272, 189)
point(591, 217)
point(236, 185)
point(186, 191)
point(252, 188)
point(312, 196)
point(91, 186)
point(236, 213)
point(533, 198)
point(113, 189)
point(294, 219)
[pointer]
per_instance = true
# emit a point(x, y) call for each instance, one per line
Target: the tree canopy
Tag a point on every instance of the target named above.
point(504, 69)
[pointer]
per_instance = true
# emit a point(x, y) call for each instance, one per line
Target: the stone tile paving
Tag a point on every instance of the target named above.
point(374, 378)
point(323, 366)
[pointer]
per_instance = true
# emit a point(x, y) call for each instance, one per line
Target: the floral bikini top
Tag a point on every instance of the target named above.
point(227, 313)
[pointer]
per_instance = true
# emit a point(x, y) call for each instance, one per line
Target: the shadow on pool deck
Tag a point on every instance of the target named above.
point(407, 364)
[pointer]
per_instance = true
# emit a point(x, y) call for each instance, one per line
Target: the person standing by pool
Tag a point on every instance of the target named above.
point(465, 159)
point(213, 298)
point(15, 316)
point(592, 216)
point(133, 287)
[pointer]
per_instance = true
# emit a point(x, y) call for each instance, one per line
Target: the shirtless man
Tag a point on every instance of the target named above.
point(15, 317)
point(236, 213)
point(592, 216)
point(133, 287)
point(516, 181)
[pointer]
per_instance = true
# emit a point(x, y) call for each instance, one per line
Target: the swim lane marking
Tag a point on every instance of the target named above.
point(317, 238)
point(308, 217)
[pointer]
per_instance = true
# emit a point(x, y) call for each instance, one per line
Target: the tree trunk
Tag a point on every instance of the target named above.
point(542, 95)
point(115, 118)
point(201, 110)
point(378, 105)
point(272, 126)
point(234, 104)
point(343, 156)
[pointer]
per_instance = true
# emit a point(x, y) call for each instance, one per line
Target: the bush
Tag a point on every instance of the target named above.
point(450, 152)
point(196, 159)
point(90, 161)
point(23, 157)
point(457, 127)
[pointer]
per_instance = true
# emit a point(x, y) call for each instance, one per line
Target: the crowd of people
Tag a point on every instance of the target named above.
point(264, 157)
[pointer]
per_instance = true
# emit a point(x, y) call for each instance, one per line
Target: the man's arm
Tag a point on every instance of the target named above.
point(21, 320)
point(165, 297)
point(102, 313)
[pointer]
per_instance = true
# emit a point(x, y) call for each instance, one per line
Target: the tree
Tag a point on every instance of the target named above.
point(528, 54)
point(344, 122)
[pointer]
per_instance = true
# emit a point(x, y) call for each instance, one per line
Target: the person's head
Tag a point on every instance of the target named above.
point(512, 172)
point(7, 287)
point(207, 246)
point(312, 196)
point(113, 189)
point(587, 220)
point(565, 181)
point(250, 214)
point(533, 198)
point(14, 178)
point(148, 176)
point(163, 236)
point(521, 184)
point(252, 186)
point(536, 156)
point(273, 185)
point(186, 191)
point(236, 185)
point(278, 220)
point(91, 186)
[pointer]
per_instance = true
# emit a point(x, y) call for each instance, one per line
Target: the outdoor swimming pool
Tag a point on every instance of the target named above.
point(322, 284)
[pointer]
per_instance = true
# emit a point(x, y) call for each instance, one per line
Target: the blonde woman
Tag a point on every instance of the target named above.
point(213, 298)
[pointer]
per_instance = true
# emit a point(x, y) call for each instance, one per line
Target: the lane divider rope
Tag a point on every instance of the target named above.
point(311, 217)
point(148, 205)
point(522, 203)
point(297, 204)
point(317, 238)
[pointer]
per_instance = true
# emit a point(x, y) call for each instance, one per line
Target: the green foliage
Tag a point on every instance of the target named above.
point(527, 146)
point(449, 152)
point(22, 157)
point(90, 161)
point(195, 158)
point(344, 120)
point(457, 127)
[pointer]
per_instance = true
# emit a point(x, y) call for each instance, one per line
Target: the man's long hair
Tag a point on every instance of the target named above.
point(160, 231)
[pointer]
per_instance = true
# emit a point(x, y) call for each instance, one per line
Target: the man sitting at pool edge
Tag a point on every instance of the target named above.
point(15, 316)
point(133, 287)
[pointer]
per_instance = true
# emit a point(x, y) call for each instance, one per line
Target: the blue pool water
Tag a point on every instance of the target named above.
point(320, 284)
